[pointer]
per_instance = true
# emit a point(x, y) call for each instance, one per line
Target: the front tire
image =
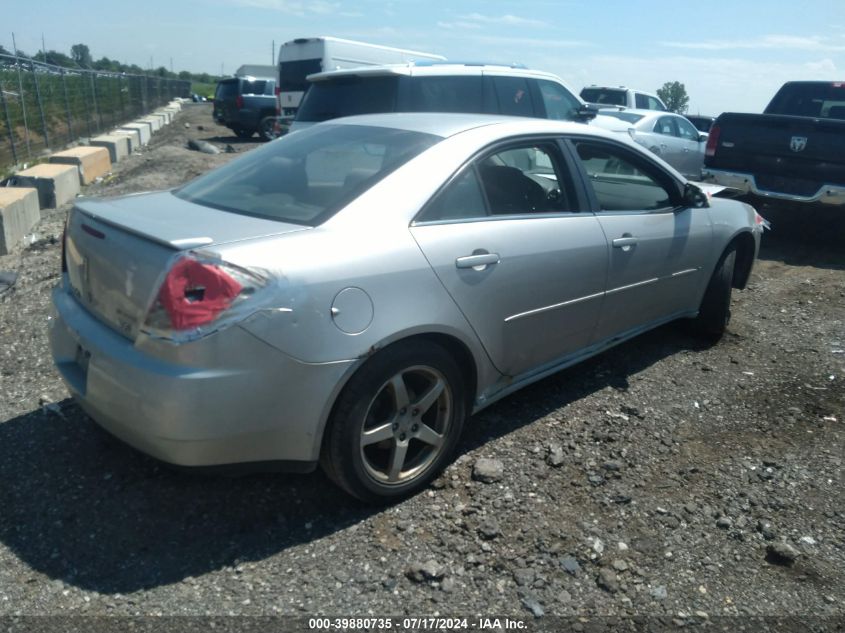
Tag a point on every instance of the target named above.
point(396, 423)
point(715, 311)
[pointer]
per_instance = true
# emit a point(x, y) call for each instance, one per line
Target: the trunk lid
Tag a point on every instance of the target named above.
point(118, 251)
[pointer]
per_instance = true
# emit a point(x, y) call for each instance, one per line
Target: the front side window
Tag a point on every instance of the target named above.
point(519, 180)
point(641, 101)
point(622, 181)
point(306, 177)
point(559, 102)
point(687, 130)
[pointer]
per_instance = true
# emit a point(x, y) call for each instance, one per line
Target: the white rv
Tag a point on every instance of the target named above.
point(305, 56)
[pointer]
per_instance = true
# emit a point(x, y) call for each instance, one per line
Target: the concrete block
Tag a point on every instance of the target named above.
point(154, 122)
point(133, 137)
point(19, 213)
point(175, 104)
point(168, 116)
point(118, 145)
point(93, 162)
point(56, 184)
point(143, 130)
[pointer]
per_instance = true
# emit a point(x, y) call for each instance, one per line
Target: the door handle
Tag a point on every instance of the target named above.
point(625, 243)
point(478, 262)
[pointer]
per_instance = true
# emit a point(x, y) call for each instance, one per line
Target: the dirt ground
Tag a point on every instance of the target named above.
point(662, 479)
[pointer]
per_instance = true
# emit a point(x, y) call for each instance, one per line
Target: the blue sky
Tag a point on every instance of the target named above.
point(730, 55)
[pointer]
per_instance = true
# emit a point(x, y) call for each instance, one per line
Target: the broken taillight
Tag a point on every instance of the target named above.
point(199, 295)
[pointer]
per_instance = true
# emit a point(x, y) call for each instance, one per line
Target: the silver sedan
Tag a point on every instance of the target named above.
point(670, 136)
point(349, 294)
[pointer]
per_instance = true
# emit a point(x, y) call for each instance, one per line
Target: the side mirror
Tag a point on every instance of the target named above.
point(695, 197)
point(702, 138)
point(587, 111)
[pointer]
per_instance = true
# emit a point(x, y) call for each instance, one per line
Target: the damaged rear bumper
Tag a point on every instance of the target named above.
point(226, 399)
point(746, 183)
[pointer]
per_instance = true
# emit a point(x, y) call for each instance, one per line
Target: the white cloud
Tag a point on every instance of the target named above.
point(506, 20)
point(788, 42)
point(293, 7)
point(472, 26)
point(525, 44)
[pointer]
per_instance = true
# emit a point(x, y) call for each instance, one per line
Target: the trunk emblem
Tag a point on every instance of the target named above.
point(798, 143)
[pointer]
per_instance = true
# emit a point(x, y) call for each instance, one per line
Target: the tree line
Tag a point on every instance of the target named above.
point(80, 57)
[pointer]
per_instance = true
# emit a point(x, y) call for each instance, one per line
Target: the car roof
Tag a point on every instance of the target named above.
point(449, 124)
point(434, 69)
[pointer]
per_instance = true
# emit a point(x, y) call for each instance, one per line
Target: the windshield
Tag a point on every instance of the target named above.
point(306, 177)
point(604, 96)
point(347, 96)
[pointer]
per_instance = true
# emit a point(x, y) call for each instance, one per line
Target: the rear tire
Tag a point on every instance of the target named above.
point(268, 129)
point(396, 423)
point(715, 311)
point(243, 132)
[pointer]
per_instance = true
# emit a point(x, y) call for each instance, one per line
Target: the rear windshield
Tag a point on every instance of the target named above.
point(226, 89)
point(292, 74)
point(628, 117)
point(254, 87)
point(347, 96)
point(306, 177)
point(606, 96)
point(816, 99)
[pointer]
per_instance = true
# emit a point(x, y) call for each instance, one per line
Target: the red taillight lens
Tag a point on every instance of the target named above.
point(712, 141)
point(198, 293)
point(194, 293)
point(239, 102)
point(277, 91)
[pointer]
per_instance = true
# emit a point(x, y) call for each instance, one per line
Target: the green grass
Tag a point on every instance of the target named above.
point(205, 90)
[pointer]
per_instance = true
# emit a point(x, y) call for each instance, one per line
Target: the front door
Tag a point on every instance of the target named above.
point(658, 248)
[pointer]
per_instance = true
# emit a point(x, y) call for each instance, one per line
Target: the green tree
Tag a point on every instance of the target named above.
point(81, 55)
point(675, 96)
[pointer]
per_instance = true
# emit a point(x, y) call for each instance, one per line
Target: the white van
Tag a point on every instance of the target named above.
point(305, 56)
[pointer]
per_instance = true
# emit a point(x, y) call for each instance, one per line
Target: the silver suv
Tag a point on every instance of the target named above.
point(439, 87)
point(622, 96)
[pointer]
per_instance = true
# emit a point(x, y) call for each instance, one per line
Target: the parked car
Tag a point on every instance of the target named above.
point(622, 96)
point(791, 153)
point(702, 123)
point(241, 103)
point(668, 135)
point(439, 87)
point(352, 292)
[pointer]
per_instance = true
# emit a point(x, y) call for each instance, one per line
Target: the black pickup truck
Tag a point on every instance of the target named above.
point(794, 151)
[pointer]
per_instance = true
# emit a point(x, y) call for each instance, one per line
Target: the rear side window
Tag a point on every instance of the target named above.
point(348, 96)
point(525, 179)
point(647, 102)
point(444, 94)
point(514, 96)
point(306, 177)
point(226, 90)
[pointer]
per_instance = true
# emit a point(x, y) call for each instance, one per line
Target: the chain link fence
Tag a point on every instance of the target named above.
point(45, 107)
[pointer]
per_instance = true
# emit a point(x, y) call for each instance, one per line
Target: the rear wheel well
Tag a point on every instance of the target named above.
point(744, 244)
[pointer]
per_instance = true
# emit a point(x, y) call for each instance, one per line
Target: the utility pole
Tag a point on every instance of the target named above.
point(43, 47)
point(273, 54)
point(171, 64)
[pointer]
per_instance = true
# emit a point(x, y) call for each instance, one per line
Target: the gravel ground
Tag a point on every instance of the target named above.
point(659, 479)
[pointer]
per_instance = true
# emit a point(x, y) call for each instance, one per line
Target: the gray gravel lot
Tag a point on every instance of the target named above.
point(661, 478)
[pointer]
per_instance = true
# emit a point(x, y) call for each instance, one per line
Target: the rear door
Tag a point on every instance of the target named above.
point(511, 243)
point(658, 248)
point(225, 98)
